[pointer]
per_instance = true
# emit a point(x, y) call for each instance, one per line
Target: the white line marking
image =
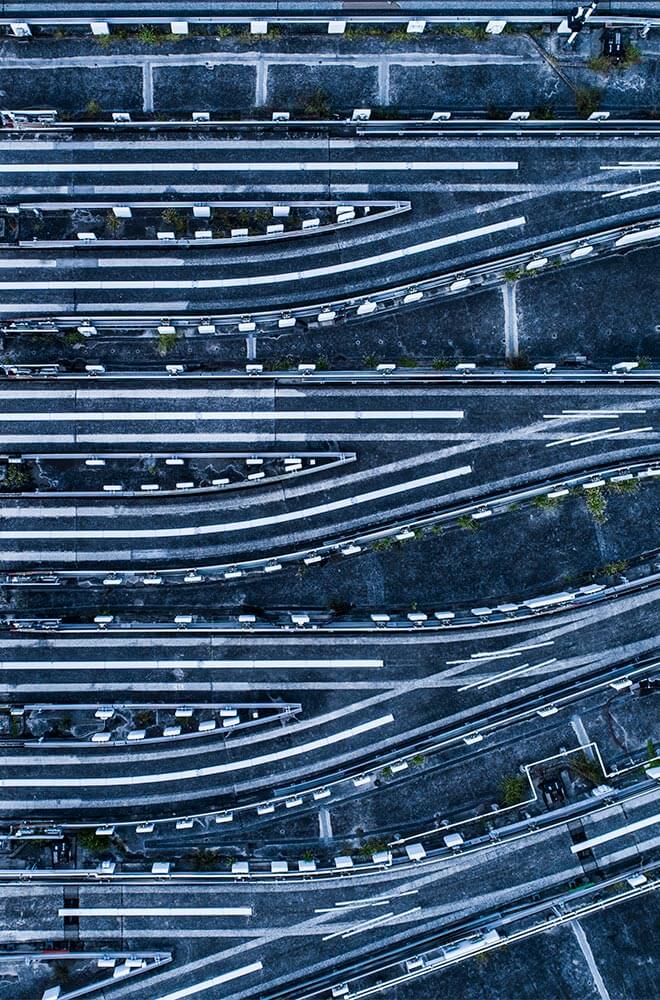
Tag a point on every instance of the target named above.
point(622, 831)
point(507, 674)
point(503, 654)
point(228, 416)
point(633, 192)
point(382, 167)
point(256, 522)
point(633, 164)
point(155, 911)
point(610, 432)
point(289, 277)
point(588, 414)
point(27, 262)
point(126, 781)
point(330, 664)
point(585, 948)
point(367, 925)
point(208, 984)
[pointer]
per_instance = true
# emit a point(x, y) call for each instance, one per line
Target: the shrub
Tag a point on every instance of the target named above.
point(545, 502)
point(16, 478)
point(587, 100)
point(512, 789)
point(596, 504)
point(615, 567)
point(92, 843)
point(599, 64)
point(400, 35)
point(406, 362)
point(632, 55)
point(73, 337)
point(61, 972)
point(440, 364)
point(204, 860)
point(382, 544)
point(112, 223)
point(176, 219)
point(587, 769)
point(148, 35)
point(317, 105)
point(475, 32)
point(283, 364)
point(544, 112)
point(626, 486)
point(513, 274)
point(93, 108)
point(371, 846)
point(166, 342)
point(467, 522)
point(518, 363)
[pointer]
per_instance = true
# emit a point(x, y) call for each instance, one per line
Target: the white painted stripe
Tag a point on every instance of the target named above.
point(132, 664)
point(21, 391)
point(502, 654)
point(571, 415)
point(208, 984)
point(615, 433)
point(583, 438)
point(622, 831)
point(32, 262)
point(633, 164)
point(615, 413)
point(129, 143)
point(60, 394)
point(256, 522)
point(612, 432)
point(585, 948)
point(229, 416)
point(633, 192)
point(155, 911)
point(126, 781)
point(138, 261)
point(476, 657)
point(220, 437)
point(290, 277)
point(261, 167)
point(507, 674)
